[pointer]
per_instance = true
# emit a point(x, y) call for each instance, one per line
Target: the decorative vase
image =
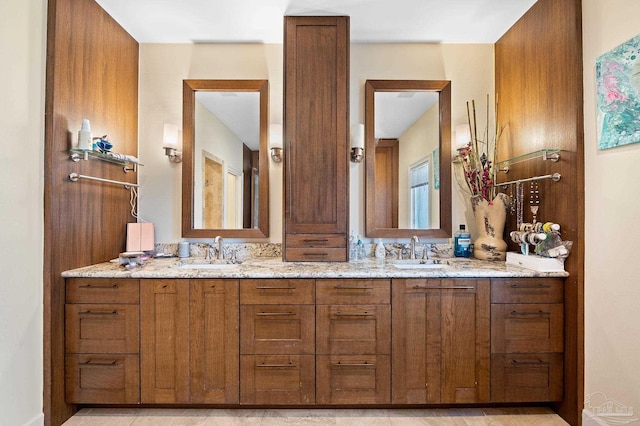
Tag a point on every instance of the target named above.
point(490, 218)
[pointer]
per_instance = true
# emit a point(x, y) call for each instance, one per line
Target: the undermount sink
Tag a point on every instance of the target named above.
point(207, 265)
point(418, 264)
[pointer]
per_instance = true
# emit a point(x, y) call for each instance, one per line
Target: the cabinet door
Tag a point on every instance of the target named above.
point(440, 345)
point(316, 124)
point(164, 353)
point(465, 337)
point(214, 341)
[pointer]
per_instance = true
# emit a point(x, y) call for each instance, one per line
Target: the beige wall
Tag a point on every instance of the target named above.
point(22, 49)
point(163, 67)
point(612, 283)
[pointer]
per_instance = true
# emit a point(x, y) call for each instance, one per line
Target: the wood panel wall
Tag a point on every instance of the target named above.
point(92, 72)
point(539, 87)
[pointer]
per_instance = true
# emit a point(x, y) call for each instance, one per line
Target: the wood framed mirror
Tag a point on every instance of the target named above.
point(225, 167)
point(408, 158)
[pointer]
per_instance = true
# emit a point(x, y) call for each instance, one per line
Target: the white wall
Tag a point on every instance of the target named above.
point(612, 283)
point(163, 67)
point(22, 49)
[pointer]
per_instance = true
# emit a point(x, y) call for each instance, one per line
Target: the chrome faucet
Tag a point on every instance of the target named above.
point(414, 240)
point(220, 249)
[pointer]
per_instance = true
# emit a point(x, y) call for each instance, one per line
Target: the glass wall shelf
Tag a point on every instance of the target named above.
point(545, 154)
point(84, 154)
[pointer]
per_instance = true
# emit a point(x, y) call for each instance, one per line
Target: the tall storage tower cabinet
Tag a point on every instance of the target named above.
point(316, 138)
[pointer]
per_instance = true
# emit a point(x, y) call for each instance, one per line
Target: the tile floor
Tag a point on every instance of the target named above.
point(316, 417)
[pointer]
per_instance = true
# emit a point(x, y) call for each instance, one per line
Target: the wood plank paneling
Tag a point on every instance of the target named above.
point(539, 85)
point(92, 72)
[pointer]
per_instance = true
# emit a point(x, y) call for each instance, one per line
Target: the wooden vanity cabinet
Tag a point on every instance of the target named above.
point(353, 341)
point(164, 326)
point(527, 339)
point(102, 341)
point(316, 138)
point(441, 337)
point(277, 346)
point(189, 343)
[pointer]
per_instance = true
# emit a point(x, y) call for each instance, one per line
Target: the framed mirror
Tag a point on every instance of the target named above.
point(408, 158)
point(225, 168)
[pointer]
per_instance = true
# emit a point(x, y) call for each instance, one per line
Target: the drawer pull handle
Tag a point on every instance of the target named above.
point(102, 364)
point(266, 287)
point(288, 365)
point(538, 362)
point(353, 314)
point(319, 240)
point(316, 254)
point(538, 313)
point(98, 313)
point(459, 287)
point(274, 314)
point(530, 286)
point(353, 364)
point(351, 287)
point(114, 286)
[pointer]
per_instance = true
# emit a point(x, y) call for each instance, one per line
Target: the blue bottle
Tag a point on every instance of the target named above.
point(462, 243)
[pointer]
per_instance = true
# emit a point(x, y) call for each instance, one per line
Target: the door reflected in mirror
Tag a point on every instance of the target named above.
point(225, 149)
point(407, 188)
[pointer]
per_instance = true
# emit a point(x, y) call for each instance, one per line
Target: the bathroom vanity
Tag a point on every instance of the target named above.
point(275, 333)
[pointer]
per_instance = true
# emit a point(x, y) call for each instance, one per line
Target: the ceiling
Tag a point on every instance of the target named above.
point(261, 21)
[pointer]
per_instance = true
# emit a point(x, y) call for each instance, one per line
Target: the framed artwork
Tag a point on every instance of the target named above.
point(618, 95)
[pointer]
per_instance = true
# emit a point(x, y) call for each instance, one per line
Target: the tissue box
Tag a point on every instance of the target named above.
point(535, 262)
point(140, 237)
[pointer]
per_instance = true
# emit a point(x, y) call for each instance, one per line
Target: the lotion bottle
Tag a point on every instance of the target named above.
point(85, 141)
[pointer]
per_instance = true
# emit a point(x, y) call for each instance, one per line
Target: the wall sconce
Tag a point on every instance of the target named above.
point(357, 142)
point(170, 143)
point(275, 142)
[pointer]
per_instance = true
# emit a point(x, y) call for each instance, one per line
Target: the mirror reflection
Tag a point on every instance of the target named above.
point(225, 150)
point(226, 168)
point(408, 192)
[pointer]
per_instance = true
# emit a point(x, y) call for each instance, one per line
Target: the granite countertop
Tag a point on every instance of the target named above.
point(276, 268)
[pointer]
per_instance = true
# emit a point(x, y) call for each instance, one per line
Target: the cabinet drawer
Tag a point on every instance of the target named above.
point(102, 379)
point(526, 328)
point(353, 291)
point(264, 292)
point(112, 328)
point(353, 379)
point(102, 290)
point(277, 380)
point(527, 290)
point(526, 377)
point(316, 240)
point(281, 329)
point(353, 329)
point(313, 254)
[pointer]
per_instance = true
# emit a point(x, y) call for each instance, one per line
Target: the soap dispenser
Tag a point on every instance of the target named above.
point(380, 251)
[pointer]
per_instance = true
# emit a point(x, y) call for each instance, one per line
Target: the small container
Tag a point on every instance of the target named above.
point(85, 141)
point(183, 249)
point(380, 251)
point(462, 243)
